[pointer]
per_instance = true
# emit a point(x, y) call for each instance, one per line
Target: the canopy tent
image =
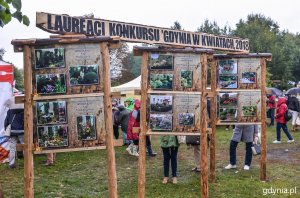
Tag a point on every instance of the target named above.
point(129, 86)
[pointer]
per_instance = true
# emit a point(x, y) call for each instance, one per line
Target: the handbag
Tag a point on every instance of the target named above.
point(193, 139)
point(8, 128)
point(256, 150)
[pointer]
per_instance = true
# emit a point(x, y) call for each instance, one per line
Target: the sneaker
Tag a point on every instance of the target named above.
point(276, 142)
point(227, 129)
point(290, 141)
point(229, 166)
point(174, 180)
point(12, 166)
point(165, 180)
point(135, 151)
point(246, 167)
point(129, 149)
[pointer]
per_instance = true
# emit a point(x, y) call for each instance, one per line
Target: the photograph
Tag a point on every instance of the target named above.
point(186, 78)
point(84, 75)
point(161, 103)
point(226, 114)
point(50, 83)
point(49, 58)
point(161, 62)
point(228, 99)
point(161, 122)
point(248, 77)
point(161, 81)
point(227, 66)
point(86, 127)
point(186, 119)
point(53, 136)
point(227, 82)
point(51, 112)
point(249, 110)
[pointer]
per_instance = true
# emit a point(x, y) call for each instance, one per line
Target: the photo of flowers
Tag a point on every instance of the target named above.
point(227, 82)
point(227, 66)
point(86, 127)
point(84, 75)
point(161, 81)
point(50, 83)
point(161, 122)
point(161, 103)
point(228, 99)
point(248, 77)
point(49, 58)
point(186, 78)
point(249, 110)
point(227, 114)
point(161, 62)
point(186, 119)
point(51, 112)
point(52, 136)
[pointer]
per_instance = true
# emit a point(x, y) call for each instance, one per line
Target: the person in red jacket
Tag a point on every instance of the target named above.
point(133, 148)
point(281, 122)
point(271, 104)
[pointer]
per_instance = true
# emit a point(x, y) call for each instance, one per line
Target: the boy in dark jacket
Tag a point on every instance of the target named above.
point(294, 107)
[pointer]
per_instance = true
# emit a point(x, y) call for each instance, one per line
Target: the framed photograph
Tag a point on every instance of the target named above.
point(161, 122)
point(86, 127)
point(227, 66)
point(52, 136)
point(228, 114)
point(50, 83)
point(50, 58)
point(186, 78)
point(186, 119)
point(228, 82)
point(228, 99)
point(84, 75)
point(51, 112)
point(248, 77)
point(161, 103)
point(249, 110)
point(161, 81)
point(161, 62)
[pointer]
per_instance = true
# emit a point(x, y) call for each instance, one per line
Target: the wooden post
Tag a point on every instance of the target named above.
point(28, 126)
point(203, 139)
point(213, 120)
point(142, 136)
point(111, 161)
point(263, 159)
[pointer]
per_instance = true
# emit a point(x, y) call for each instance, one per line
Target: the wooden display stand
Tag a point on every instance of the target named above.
point(79, 51)
point(197, 61)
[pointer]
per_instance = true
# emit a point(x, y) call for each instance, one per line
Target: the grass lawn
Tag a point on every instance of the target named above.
point(83, 174)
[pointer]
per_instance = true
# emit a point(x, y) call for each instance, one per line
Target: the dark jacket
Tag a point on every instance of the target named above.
point(15, 117)
point(244, 133)
point(123, 118)
point(293, 104)
point(280, 110)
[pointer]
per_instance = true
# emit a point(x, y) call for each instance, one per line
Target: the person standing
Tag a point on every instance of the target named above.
point(294, 106)
point(271, 104)
point(132, 136)
point(281, 122)
point(123, 118)
point(169, 145)
point(247, 134)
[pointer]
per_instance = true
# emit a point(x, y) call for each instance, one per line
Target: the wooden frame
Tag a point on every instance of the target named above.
point(26, 46)
point(204, 55)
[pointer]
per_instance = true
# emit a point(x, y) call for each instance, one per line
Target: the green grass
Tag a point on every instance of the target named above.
point(84, 174)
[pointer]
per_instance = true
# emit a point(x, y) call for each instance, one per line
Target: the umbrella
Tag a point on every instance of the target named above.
point(293, 91)
point(274, 91)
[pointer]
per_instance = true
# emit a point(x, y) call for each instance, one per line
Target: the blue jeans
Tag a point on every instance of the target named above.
point(170, 154)
point(248, 157)
point(272, 116)
point(285, 130)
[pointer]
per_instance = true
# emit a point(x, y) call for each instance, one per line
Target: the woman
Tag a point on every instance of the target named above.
point(247, 134)
point(169, 145)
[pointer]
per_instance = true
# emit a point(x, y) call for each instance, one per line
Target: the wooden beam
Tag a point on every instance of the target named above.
point(173, 133)
point(137, 92)
point(173, 92)
point(55, 97)
point(142, 137)
point(116, 94)
point(28, 126)
point(19, 99)
point(111, 161)
point(263, 158)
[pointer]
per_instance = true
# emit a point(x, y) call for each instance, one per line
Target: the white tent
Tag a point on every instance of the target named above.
point(129, 86)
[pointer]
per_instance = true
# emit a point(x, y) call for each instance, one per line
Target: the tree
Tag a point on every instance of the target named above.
point(2, 51)
point(176, 26)
point(213, 28)
point(19, 78)
point(12, 9)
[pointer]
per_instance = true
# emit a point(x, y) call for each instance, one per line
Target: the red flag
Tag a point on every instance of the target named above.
point(6, 73)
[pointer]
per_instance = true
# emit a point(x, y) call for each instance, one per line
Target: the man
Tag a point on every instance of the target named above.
point(123, 121)
point(294, 107)
point(271, 104)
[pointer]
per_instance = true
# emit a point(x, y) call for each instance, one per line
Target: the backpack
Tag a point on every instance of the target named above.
point(288, 115)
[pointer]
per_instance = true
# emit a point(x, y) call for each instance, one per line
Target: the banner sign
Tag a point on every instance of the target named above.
point(65, 24)
point(6, 73)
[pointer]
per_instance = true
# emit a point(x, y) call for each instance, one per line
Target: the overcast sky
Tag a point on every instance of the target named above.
point(161, 13)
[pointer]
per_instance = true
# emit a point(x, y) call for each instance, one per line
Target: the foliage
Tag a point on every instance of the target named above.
point(161, 81)
point(176, 26)
point(2, 52)
point(12, 8)
point(19, 78)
